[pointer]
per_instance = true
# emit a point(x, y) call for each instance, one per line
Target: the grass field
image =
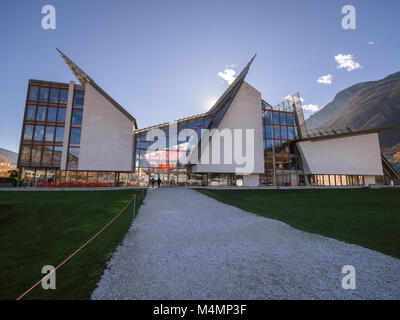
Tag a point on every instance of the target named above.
point(367, 217)
point(44, 228)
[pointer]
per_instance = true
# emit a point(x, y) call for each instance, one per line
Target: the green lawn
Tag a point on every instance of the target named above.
point(44, 228)
point(367, 217)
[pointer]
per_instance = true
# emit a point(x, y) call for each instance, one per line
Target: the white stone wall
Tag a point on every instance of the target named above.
point(353, 155)
point(244, 113)
point(107, 135)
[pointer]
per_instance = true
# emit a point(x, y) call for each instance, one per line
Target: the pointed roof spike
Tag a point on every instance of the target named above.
point(84, 78)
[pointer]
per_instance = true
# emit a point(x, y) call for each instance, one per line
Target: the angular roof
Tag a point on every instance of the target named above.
point(84, 79)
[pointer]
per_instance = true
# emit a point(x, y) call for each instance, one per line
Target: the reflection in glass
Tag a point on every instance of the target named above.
point(50, 133)
point(39, 133)
point(28, 132)
point(52, 114)
point(75, 137)
point(79, 98)
point(36, 154)
point(63, 96)
point(57, 155)
point(47, 155)
point(77, 116)
point(61, 115)
point(59, 134)
point(33, 93)
point(30, 113)
point(41, 114)
point(44, 94)
point(25, 154)
point(54, 95)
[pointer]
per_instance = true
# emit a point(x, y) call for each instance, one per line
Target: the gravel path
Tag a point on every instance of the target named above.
point(185, 245)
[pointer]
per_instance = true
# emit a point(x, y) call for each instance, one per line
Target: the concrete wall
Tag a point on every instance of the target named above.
point(353, 155)
point(107, 135)
point(67, 126)
point(244, 113)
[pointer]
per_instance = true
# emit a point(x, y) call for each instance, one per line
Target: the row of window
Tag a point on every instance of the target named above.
point(40, 133)
point(41, 155)
point(46, 94)
point(54, 95)
point(47, 114)
point(277, 117)
point(336, 180)
point(280, 132)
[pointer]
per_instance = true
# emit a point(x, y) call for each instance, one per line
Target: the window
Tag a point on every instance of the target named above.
point(57, 155)
point(277, 132)
point(276, 117)
point(33, 93)
point(77, 116)
point(79, 98)
point(290, 119)
point(39, 133)
point(47, 155)
point(269, 145)
point(36, 154)
point(64, 96)
point(61, 115)
point(41, 114)
point(73, 158)
point(52, 114)
point(283, 132)
point(75, 137)
point(54, 95)
point(291, 134)
point(283, 118)
point(44, 94)
point(268, 131)
point(268, 117)
point(25, 154)
point(50, 133)
point(30, 113)
point(59, 134)
point(28, 132)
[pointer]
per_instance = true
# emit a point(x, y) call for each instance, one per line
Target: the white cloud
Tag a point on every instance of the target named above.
point(228, 75)
point(346, 61)
point(371, 42)
point(327, 79)
point(311, 108)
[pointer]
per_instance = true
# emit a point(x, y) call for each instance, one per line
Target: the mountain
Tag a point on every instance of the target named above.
point(367, 105)
point(9, 155)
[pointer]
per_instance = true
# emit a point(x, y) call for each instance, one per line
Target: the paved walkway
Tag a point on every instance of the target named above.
point(184, 245)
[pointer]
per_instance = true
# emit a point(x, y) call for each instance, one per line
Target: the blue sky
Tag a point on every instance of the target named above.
point(160, 59)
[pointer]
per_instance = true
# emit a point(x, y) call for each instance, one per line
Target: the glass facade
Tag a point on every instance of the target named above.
point(43, 126)
point(281, 160)
point(76, 127)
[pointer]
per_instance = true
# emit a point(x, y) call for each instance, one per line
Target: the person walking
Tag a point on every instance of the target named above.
point(158, 182)
point(152, 182)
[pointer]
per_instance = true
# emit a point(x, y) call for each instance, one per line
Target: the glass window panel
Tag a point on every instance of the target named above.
point(75, 137)
point(291, 135)
point(278, 146)
point(57, 155)
point(276, 117)
point(73, 158)
point(47, 155)
point(50, 133)
point(61, 115)
point(39, 133)
point(283, 118)
point(332, 181)
point(63, 96)
point(268, 117)
point(59, 134)
point(268, 131)
point(270, 145)
point(52, 114)
point(79, 98)
point(25, 154)
point(283, 132)
point(44, 94)
point(30, 113)
point(277, 132)
point(28, 132)
point(41, 114)
point(36, 154)
point(77, 116)
point(290, 119)
point(33, 92)
point(54, 95)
